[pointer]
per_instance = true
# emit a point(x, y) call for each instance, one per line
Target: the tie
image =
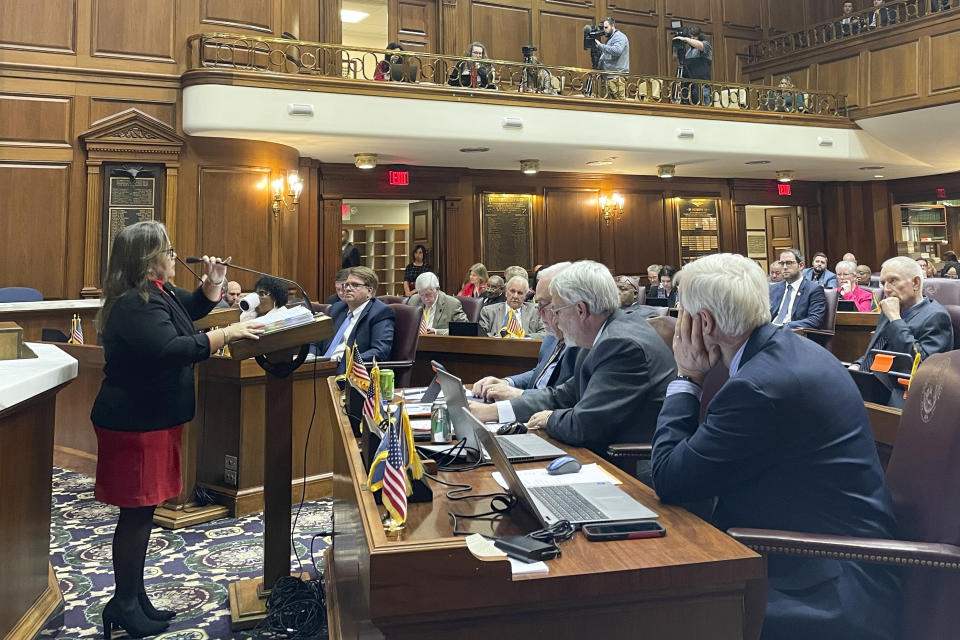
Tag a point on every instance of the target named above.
point(425, 320)
point(338, 338)
point(784, 305)
point(553, 356)
point(473, 77)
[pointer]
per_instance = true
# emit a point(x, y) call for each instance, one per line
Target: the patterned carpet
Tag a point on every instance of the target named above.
point(188, 570)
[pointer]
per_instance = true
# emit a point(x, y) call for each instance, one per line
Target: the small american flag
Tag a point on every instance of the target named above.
point(372, 402)
point(395, 476)
point(356, 371)
point(512, 325)
point(77, 335)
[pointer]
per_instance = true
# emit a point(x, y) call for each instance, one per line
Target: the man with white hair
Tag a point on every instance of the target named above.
point(514, 318)
point(773, 454)
point(556, 358)
point(439, 309)
point(620, 376)
point(909, 323)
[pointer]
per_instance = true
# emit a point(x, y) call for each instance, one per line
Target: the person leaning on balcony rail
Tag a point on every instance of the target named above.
point(614, 56)
point(848, 24)
point(478, 75)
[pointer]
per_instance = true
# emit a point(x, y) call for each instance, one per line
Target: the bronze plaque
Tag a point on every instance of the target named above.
point(132, 192)
point(698, 226)
point(506, 230)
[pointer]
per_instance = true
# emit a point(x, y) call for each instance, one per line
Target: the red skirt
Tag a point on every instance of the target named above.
point(138, 468)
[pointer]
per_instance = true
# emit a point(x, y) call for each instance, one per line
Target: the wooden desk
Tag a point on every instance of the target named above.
point(694, 583)
point(852, 335)
point(473, 358)
point(51, 314)
point(884, 422)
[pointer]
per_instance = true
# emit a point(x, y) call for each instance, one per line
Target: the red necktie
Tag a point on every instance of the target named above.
point(473, 77)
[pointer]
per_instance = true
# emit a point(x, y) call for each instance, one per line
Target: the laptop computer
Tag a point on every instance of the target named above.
point(399, 74)
point(657, 302)
point(471, 329)
point(846, 305)
point(577, 503)
point(522, 447)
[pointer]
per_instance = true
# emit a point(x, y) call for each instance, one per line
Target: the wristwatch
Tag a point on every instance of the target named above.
point(688, 379)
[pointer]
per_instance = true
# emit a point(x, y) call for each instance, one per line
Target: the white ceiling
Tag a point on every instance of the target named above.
point(431, 132)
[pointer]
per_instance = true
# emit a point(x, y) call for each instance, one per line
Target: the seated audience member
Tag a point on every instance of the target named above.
point(233, 294)
point(418, 264)
point(776, 272)
point(536, 78)
point(359, 319)
point(475, 281)
point(556, 358)
point(819, 273)
point(909, 323)
point(774, 455)
point(513, 318)
point(493, 293)
point(950, 256)
point(795, 301)
point(950, 270)
point(882, 16)
point(849, 24)
point(864, 275)
point(849, 257)
point(667, 289)
point(782, 98)
point(439, 309)
point(849, 290)
point(514, 271)
point(478, 75)
point(926, 268)
point(619, 379)
point(338, 281)
point(382, 71)
point(273, 295)
point(629, 291)
point(223, 304)
point(653, 280)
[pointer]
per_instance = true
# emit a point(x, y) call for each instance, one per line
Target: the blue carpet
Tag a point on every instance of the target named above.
point(188, 570)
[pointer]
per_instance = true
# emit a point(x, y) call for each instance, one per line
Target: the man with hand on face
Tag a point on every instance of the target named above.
point(513, 318)
point(819, 273)
point(774, 455)
point(439, 309)
point(796, 301)
point(556, 359)
point(909, 323)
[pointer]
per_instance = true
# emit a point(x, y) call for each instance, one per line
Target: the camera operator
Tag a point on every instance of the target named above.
point(697, 62)
point(615, 56)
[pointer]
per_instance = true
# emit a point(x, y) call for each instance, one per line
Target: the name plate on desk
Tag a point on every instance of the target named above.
point(11, 341)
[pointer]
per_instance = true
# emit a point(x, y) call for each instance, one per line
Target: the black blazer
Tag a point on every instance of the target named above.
point(149, 348)
point(372, 333)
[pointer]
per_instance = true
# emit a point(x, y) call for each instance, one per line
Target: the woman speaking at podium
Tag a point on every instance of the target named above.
point(149, 346)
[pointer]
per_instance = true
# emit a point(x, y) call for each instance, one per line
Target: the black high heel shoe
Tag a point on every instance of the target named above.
point(134, 621)
point(152, 612)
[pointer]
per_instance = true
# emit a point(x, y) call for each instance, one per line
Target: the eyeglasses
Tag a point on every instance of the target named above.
point(542, 305)
point(353, 285)
point(169, 251)
point(556, 312)
point(263, 293)
point(788, 262)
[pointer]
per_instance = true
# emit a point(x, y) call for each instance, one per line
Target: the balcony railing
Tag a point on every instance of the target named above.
point(292, 58)
point(886, 16)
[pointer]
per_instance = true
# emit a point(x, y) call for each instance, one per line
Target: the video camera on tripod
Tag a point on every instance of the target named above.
point(592, 33)
point(679, 47)
point(527, 51)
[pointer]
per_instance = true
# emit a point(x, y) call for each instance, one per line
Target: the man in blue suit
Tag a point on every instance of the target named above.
point(795, 301)
point(556, 358)
point(774, 455)
point(819, 273)
point(359, 319)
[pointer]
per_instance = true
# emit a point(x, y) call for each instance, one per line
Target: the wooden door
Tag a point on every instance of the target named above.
point(420, 228)
point(782, 231)
point(413, 23)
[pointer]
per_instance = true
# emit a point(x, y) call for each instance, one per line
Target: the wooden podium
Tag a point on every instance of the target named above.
point(248, 597)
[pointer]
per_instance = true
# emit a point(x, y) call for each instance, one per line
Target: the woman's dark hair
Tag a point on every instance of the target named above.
point(667, 270)
point(949, 256)
point(947, 266)
point(394, 46)
point(414, 253)
point(135, 249)
point(275, 287)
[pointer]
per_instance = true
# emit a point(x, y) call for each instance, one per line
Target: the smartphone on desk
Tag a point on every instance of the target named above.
point(624, 530)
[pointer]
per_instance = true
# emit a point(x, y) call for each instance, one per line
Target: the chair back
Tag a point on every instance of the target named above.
point(392, 299)
point(320, 307)
point(943, 290)
point(406, 334)
point(471, 307)
point(830, 316)
point(20, 294)
point(641, 292)
point(954, 311)
point(924, 482)
point(876, 291)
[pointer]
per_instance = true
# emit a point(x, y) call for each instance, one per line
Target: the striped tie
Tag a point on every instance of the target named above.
point(425, 320)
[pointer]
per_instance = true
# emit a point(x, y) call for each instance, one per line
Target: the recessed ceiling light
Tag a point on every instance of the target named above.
point(365, 160)
point(878, 176)
point(757, 162)
point(599, 163)
point(784, 175)
point(474, 149)
point(872, 167)
point(351, 16)
point(666, 170)
point(529, 167)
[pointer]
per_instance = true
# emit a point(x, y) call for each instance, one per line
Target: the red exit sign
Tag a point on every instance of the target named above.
point(398, 178)
point(783, 189)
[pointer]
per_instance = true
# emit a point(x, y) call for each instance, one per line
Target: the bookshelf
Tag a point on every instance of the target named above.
point(922, 229)
point(383, 248)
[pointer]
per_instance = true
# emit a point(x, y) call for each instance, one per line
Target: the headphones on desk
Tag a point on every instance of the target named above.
point(512, 429)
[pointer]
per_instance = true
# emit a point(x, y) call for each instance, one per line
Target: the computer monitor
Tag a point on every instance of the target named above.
point(400, 74)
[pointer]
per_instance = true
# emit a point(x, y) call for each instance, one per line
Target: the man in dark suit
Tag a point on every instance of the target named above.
point(819, 272)
point(774, 455)
point(909, 323)
point(349, 254)
point(338, 281)
point(556, 358)
point(359, 319)
point(620, 375)
point(795, 301)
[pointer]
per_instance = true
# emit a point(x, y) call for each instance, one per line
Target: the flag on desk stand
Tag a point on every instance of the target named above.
point(388, 472)
point(356, 371)
point(373, 404)
point(76, 331)
point(511, 325)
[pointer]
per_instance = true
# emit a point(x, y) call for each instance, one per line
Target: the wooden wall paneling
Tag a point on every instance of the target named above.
point(943, 62)
point(503, 29)
point(698, 10)
point(255, 15)
point(785, 17)
point(640, 237)
point(894, 73)
point(648, 47)
point(557, 31)
point(332, 28)
point(34, 223)
point(102, 107)
point(302, 18)
point(728, 61)
point(309, 238)
point(454, 21)
point(330, 261)
point(414, 24)
point(35, 120)
point(134, 29)
point(462, 241)
point(843, 76)
point(39, 25)
point(815, 229)
point(632, 7)
point(742, 14)
point(573, 225)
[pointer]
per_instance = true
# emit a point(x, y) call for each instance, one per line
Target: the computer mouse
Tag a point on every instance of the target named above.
point(511, 429)
point(563, 464)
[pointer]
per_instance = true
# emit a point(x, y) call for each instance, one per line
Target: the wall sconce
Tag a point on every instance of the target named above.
point(291, 198)
point(611, 207)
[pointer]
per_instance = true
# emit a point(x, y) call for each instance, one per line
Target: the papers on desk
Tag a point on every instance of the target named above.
point(588, 474)
point(483, 549)
point(285, 318)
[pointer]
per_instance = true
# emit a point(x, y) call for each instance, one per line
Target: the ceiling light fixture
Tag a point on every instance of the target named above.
point(872, 167)
point(599, 163)
point(751, 162)
point(365, 160)
point(529, 167)
point(878, 176)
point(667, 170)
point(474, 149)
point(784, 175)
point(353, 17)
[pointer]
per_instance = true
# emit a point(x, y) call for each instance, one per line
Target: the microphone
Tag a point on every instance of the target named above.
point(306, 298)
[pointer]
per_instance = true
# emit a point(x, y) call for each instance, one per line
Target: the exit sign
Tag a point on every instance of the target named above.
point(398, 178)
point(783, 189)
